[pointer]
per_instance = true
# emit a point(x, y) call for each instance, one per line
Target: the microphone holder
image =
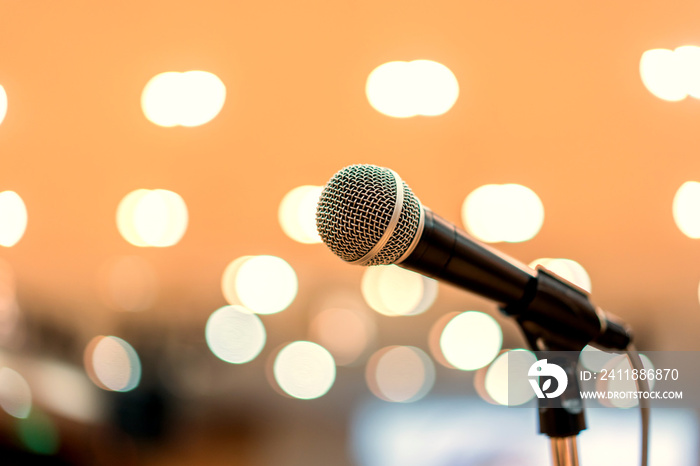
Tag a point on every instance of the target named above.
point(564, 420)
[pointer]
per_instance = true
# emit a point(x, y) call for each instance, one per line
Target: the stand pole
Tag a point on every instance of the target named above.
point(562, 420)
point(564, 451)
point(545, 314)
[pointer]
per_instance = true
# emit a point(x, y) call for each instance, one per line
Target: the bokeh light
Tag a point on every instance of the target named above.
point(125, 217)
point(671, 75)
point(112, 364)
point(345, 332)
point(507, 390)
point(297, 214)
point(13, 218)
point(161, 218)
point(9, 307)
point(262, 284)
point(507, 212)
point(67, 391)
point(595, 359)
point(235, 335)
point(401, 374)
point(406, 89)
point(228, 279)
point(686, 205)
point(480, 385)
point(192, 98)
point(304, 370)
point(393, 291)
point(156, 217)
point(688, 58)
point(660, 72)
point(471, 340)
point(15, 394)
point(3, 103)
point(128, 283)
point(434, 336)
point(567, 269)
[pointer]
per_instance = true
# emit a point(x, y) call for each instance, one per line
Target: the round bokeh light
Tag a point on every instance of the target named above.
point(471, 340)
point(262, 284)
point(304, 370)
point(235, 335)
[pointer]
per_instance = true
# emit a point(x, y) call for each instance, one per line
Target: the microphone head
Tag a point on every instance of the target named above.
point(367, 215)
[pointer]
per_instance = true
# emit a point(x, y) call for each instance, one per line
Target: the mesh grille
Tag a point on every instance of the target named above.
point(355, 209)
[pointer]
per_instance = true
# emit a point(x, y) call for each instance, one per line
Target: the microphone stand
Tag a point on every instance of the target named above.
point(564, 452)
point(564, 420)
point(556, 317)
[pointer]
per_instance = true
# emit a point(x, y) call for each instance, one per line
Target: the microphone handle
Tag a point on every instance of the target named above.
point(445, 253)
point(544, 305)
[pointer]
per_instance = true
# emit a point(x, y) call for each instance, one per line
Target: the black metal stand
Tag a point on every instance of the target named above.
point(561, 419)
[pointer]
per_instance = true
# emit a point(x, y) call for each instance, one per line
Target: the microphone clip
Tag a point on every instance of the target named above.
point(557, 315)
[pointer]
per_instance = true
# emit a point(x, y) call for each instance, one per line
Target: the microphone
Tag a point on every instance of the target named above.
point(367, 215)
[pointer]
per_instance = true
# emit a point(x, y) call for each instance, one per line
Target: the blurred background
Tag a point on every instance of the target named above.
point(164, 298)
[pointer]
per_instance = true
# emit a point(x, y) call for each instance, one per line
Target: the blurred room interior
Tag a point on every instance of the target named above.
point(137, 207)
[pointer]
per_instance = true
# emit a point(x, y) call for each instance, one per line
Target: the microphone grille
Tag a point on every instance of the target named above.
point(355, 210)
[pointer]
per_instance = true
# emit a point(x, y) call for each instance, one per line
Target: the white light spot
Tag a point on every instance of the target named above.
point(159, 100)
point(15, 394)
point(304, 370)
point(3, 103)
point(480, 385)
point(672, 75)
point(393, 291)
point(9, 307)
point(67, 391)
point(263, 284)
point(434, 338)
point(160, 218)
point(471, 340)
point(595, 359)
point(661, 74)
point(155, 218)
point(406, 89)
point(688, 62)
point(112, 364)
point(401, 374)
point(506, 378)
point(235, 334)
point(508, 212)
point(686, 206)
point(192, 98)
point(125, 217)
point(13, 218)
point(297, 214)
point(567, 269)
point(228, 279)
